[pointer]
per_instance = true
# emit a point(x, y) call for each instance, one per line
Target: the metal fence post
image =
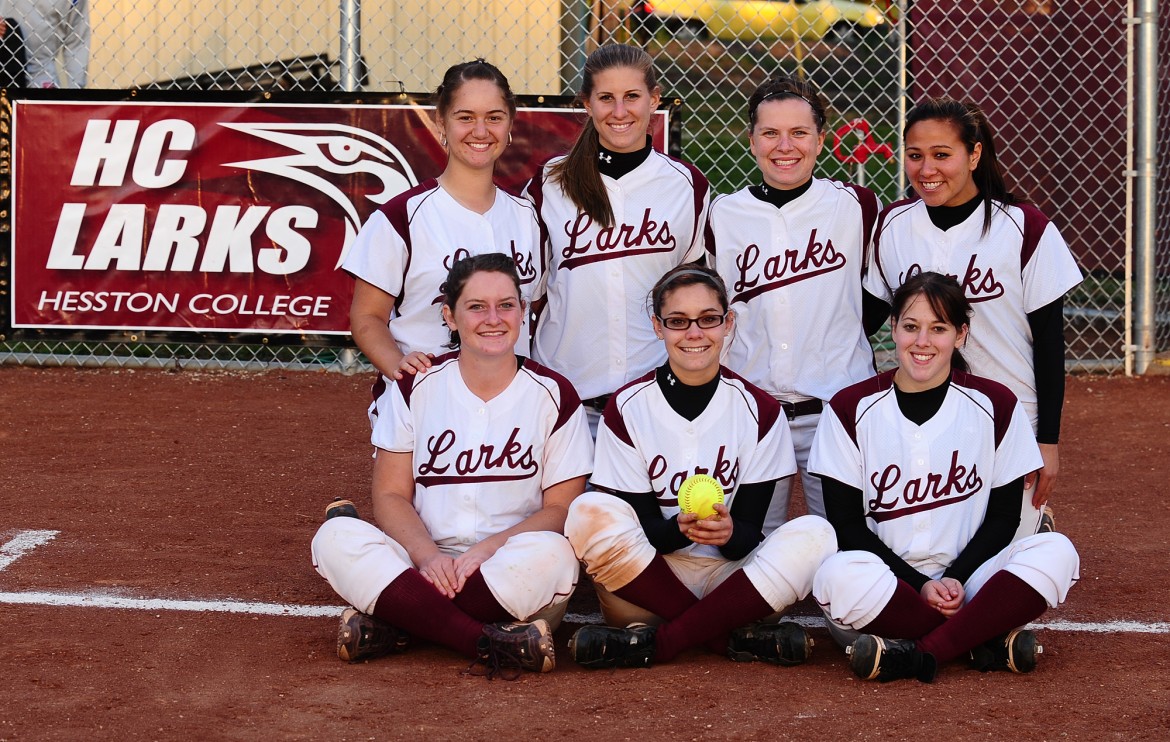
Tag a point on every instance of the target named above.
point(351, 45)
point(903, 88)
point(574, 37)
point(1145, 184)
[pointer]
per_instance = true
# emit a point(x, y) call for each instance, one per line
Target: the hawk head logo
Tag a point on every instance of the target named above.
point(319, 151)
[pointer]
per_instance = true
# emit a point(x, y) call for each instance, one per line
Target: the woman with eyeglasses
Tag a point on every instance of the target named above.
point(791, 249)
point(684, 581)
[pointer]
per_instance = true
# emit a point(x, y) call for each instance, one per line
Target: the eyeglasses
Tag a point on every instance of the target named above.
point(706, 322)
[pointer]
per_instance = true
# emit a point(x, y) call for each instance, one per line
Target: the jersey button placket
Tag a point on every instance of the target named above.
point(478, 427)
point(616, 341)
point(920, 522)
point(780, 319)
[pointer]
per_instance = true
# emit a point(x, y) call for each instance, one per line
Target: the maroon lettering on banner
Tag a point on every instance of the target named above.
point(219, 217)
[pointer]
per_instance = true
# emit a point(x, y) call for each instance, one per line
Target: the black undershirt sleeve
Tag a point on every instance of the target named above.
point(662, 533)
point(1047, 324)
point(874, 312)
point(747, 518)
point(999, 525)
point(845, 510)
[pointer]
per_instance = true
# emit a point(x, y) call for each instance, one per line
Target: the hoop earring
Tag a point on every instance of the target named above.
point(509, 137)
point(443, 141)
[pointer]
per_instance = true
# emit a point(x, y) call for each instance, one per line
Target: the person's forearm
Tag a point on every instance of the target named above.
point(373, 337)
point(397, 518)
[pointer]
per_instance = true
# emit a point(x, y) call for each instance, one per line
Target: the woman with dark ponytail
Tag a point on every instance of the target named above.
point(615, 215)
point(1011, 261)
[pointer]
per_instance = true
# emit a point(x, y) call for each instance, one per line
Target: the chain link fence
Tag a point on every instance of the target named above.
point(1162, 208)
point(1053, 77)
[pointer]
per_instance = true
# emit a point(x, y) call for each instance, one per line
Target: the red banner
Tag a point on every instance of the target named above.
point(219, 217)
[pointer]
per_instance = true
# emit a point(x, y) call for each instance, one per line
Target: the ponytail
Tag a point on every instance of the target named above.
point(577, 174)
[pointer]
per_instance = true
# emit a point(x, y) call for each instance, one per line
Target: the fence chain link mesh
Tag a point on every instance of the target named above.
point(1051, 75)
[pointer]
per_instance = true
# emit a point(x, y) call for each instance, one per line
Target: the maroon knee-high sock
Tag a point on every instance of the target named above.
point(414, 605)
point(477, 601)
point(734, 603)
point(658, 590)
point(1005, 602)
point(906, 616)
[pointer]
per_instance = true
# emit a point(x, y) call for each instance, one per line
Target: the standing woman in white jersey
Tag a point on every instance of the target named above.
point(403, 252)
point(792, 251)
point(1010, 260)
point(686, 582)
point(477, 462)
point(615, 215)
point(923, 470)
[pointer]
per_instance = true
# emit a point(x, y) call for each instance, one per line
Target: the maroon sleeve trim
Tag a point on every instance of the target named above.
point(1003, 401)
point(612, 416)
point(846, 403)
point(1034, 225)
point(568, 401)
point(875, 244)
point(769, 409)
point(535, 193)
point(398, 215)
point(868, 202)
point(700, 187)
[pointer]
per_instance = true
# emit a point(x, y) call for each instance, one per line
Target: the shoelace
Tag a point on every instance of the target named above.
point(496, 662)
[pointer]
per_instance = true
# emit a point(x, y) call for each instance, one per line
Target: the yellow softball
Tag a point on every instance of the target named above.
point(698, 494)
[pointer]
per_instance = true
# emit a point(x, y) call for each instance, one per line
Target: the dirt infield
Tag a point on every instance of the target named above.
point(208, 486)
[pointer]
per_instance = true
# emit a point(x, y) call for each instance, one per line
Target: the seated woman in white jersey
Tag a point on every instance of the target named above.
point(668, 580)
point(1012, 262)
point(403, 252)
point(476, 463)
point(923, 470)
point(792, 250)
point(615, 214)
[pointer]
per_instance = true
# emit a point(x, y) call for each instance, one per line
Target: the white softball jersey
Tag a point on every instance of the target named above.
point(925, 487)
point(596, 327)
point(793, 277)
point(407, 247)
point(482, 467)
point(1021, 265)
point(643, 445)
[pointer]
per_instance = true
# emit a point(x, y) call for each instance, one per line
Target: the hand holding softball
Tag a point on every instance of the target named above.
point(698, 494)
point(713, 531)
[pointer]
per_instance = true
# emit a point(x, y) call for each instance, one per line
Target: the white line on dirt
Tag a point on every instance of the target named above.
point(21, 544)
point(25, 541)
point(98, 600)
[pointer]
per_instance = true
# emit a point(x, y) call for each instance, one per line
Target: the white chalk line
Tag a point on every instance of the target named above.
point(25, 541)
point(99, 600)
point(21, 544)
